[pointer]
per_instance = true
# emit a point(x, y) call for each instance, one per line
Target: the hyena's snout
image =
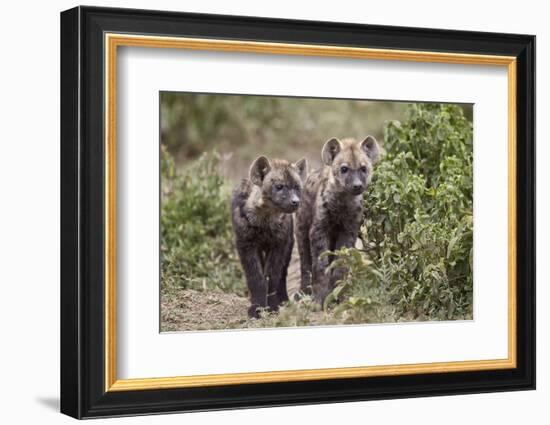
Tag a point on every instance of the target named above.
point(357, 187)
point(290, 201)
point(295, 201)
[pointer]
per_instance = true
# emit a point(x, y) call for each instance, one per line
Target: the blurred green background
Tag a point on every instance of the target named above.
point(242, 127)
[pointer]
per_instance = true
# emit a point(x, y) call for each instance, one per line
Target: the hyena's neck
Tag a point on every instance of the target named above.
point(258, 211)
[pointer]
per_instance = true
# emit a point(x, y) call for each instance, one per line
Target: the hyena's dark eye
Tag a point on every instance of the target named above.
point(279, 186)
point(344, 169)
point(363, 169)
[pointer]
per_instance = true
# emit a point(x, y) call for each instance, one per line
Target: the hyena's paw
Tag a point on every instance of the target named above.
point(303, 293)
point(320, 294)
point(273, 303)
point(255, 311)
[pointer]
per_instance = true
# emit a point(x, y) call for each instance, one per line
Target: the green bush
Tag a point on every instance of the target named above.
point(416, 257)
point(196, 236)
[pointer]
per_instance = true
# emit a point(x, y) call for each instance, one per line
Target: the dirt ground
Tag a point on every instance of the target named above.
point(194, 310)
point(189, 309)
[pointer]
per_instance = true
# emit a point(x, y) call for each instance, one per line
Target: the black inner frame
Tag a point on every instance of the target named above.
point(82, 212)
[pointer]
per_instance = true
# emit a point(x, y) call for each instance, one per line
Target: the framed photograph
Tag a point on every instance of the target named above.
point(261, 212)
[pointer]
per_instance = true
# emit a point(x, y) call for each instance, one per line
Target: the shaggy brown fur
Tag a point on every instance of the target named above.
point(262, 208)
point(331, 211)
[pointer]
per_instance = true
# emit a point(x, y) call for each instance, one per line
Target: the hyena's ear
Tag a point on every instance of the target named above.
point(301, 166)
point(330, 150)
point(259, 169)
point(370, 147)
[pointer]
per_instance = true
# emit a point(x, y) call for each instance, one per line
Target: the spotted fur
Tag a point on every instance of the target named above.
point(331, 211)
point(262, 208)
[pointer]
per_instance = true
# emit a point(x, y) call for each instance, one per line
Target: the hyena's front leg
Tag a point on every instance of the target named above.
point(302, 238)
point(257, 285)
point(282, 291)
point(320, 243)
point(344, 240)
point(276, 268)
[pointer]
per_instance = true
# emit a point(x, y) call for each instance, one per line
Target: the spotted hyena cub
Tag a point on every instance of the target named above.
point(262, 208)
point(331, 211)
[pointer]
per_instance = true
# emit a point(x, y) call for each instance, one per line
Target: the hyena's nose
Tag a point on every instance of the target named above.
point(295, 202)
point(357, 186)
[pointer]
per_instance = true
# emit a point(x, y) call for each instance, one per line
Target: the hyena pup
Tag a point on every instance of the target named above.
point(332, 211)
point(262, 208)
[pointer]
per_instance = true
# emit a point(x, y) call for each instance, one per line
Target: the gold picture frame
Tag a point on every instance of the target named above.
point(114, 41)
